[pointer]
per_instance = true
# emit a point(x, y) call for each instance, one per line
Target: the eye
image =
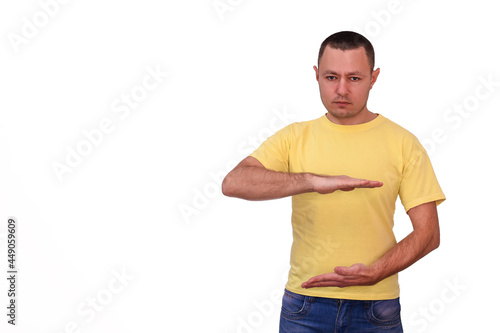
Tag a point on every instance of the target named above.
point(330, 77)
point(355, 78)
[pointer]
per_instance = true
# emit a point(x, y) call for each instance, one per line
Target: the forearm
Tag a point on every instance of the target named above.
point(423, 239)
point(255, 183)
point(250, 180)
point(416, 245)
point(405, 253)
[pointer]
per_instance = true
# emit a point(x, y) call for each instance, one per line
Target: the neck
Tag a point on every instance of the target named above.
point(362, 117)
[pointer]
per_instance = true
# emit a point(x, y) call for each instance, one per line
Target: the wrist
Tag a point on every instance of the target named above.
point(310, 180)
point(376, 273)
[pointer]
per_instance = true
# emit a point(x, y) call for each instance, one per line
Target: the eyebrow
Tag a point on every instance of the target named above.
point(358, 73)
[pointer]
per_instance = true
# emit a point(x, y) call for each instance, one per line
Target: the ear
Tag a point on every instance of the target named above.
point(317, 72)
point(374, 77)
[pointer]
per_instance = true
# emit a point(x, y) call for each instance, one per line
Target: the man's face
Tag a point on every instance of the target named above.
point(345, 81)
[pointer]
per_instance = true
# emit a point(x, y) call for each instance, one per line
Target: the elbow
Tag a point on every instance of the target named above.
point(227, 186)
point(434, 242)
point(437, 237)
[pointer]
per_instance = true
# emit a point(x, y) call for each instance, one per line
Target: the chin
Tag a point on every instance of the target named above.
point(342, 113)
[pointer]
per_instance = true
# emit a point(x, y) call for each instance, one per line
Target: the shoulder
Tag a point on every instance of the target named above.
point(408, 142)
point(398, 130)
point(301, 127)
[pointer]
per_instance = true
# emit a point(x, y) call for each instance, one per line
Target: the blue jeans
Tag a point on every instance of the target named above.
point(306, 314)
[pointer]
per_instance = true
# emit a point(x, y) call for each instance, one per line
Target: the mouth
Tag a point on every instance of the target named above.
point(342, 103)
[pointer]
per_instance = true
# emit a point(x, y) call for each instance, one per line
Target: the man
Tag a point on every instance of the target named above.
point(344, 257)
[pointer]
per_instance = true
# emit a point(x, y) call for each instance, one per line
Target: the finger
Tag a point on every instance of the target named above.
point(370, 183)
point(347, 189)
point(327, 278)
point(323, 278)
point(337, 282)
point(326, 284)
point(361, 183)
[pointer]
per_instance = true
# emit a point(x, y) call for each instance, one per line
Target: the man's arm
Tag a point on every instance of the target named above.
point(423, 239)
point(250, 180)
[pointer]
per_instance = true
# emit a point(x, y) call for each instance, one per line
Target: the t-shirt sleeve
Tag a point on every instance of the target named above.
point(419, 184)
point(274, 152)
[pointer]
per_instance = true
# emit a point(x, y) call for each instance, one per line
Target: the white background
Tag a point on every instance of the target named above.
point(145, 201)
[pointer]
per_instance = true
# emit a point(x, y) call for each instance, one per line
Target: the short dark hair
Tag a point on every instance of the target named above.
point(349, 40)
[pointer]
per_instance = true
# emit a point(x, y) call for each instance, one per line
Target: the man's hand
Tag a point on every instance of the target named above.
point(250, 180)
point(423, 239)
point(329, 184)
point(356, 275)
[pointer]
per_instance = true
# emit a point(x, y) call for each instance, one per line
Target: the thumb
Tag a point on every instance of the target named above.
point(341, 270)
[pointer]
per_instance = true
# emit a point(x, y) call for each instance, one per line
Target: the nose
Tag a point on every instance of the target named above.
point(342, 87)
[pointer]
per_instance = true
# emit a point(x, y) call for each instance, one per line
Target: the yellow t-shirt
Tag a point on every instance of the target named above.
point(344, 228)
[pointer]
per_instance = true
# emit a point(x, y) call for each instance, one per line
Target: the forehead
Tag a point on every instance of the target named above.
point(344, 61)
